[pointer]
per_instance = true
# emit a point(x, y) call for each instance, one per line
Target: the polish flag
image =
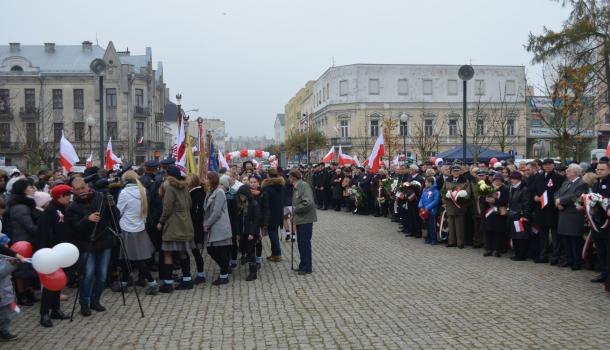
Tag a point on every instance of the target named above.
point(139, 140)
point(356, 161)
point(608, 149)
point(67, 154)
point(376, 154)
point(519, 226)
point(329, 156)
point(89, 163)
point(544, 200)
point(179, 149)
point(345, 159)
point(111, 158)
point(222, 160)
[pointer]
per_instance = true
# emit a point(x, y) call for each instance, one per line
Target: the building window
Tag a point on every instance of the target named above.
point(58, 128)
point(111, 101)
point(324, 93)
point(452, 87)
point(510, 127)
point(403, 86)
point(343, 88)
point(537, 123)
point(5, 132)
point(79, 99)
point(111, 130)
point(404, 129)
point(374, 128)
point(30, 100)
point(327, 91)
point(140, 97)
point(79, 131)
point(139, 130)
point(58, 99)
point(479, 87)
point(427, 87)
point(511, 88)
point(373, 86)
point(30, 133)
point(452, 127)
point(428, 127)
point(16, 69)
point(5, 101)
point(480, 127)
point(344, 128)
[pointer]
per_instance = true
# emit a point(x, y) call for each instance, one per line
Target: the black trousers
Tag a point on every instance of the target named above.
point(573, 248)
point(143, 267)
point(49, 301)
point(222, 256)
point(520, 247)
point(493, 240)
point(413, 219)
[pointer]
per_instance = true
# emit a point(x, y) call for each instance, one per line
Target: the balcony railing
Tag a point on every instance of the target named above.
point(140, 111)
point(159, 117)
point(10, 146)
point(6, 113)
point(344, 141)
point(29, 113)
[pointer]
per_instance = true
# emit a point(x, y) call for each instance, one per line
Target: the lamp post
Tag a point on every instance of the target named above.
point(98, 66)
point(306, 136)
point(466, 72)
point(89, 121)
point(404, 118)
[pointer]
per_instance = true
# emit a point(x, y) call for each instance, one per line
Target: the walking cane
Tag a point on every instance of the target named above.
point(294, 228)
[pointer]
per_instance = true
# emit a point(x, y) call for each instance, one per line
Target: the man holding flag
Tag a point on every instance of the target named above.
point(543, 187)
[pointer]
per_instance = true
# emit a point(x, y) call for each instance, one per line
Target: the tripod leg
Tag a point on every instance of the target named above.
point(80, 277)
point(121, 281)
point(129, 270)
point(292, 245)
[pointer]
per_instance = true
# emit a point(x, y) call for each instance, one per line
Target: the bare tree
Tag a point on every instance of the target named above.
point(391, 141)
point(425, 134)
point(503, 117)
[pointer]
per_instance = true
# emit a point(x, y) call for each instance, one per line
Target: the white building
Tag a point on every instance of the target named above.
point(279, 129)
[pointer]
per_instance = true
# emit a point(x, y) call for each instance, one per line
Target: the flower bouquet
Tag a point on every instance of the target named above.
point(457, 196)
point(357, 195)
point(483, 189)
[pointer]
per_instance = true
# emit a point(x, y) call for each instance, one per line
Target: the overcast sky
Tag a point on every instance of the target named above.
point(242, 60)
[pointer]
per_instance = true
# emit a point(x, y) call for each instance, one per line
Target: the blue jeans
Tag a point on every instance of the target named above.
point(274, 237)
point(95, 276)
point(304, 233)
point(431, 228)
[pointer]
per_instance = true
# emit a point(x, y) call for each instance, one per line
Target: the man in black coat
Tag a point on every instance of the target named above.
point(273, 211)
point(545, 213)
point(600, 237)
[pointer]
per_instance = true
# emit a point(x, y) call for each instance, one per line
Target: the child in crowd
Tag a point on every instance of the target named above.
point(429, 201)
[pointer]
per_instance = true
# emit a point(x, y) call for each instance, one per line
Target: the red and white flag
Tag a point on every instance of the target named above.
point(111, 158)
point(356, 161)
point(179, 148)
point(329, 156)
point(222, 160)
point(67, 154)
point(337, 130)
point(139, 140)
point(544, 199)
point(608, 149)
point(376, 154)
point(519, 226)
point(89, 163)
point(345, 159)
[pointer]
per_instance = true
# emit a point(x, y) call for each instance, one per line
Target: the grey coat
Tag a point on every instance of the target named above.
point(7, 293)
point(571, 221)
point(303, 208)
point(216, 216)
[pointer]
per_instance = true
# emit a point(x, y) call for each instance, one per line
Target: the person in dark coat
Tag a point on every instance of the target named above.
point(454, 211)
point(52, 230)
point(519, 211)
point(545, 218)
point(152, 180)
point(247, 213)
point(273, 211)
point(197, 212)
point(571, 222)
point(20, 219)
point(255, 189)
point(336, 189)
point(600, 237)
point(493, 216)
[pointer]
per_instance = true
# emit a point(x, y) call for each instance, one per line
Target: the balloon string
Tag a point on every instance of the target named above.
point(28, 260)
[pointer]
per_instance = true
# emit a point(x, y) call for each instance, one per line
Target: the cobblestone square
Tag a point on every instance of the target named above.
point(371, 288)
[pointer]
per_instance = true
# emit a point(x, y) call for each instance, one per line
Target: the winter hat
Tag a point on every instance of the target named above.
point(41, 199)
point(174, 171)
point(20, 186)
point(498, 176)
point(60, 190)
point(516, 175)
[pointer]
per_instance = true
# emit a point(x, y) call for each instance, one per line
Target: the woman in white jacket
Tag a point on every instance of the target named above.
point(139, 249)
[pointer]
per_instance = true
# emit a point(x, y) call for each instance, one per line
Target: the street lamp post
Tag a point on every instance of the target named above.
point(90, 121)
point(307, 137)
point(98, 66)
point(404, 118)
point(466, 72)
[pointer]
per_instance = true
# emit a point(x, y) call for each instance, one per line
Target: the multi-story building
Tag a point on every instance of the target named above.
point(49, 89)
point(279, 128)
point(299, 105)
point(248, 142)
point(351, 104)
point(214, 126)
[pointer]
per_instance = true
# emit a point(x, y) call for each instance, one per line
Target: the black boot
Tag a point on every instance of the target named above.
point(23, 300)
point(85, 310)
point(95, 305)
point(59, 315)
point(45, 321)
point(30, 295)
point(252, 274)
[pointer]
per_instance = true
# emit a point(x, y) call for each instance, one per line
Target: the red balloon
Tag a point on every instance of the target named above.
point(23, 248)
point(258, 153)
point(243, 153)
point(424, 214)
point(55, 281)
point(493, 161)
point(433, 160)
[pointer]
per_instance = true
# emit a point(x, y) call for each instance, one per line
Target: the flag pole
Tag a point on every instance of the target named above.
point(201, 150)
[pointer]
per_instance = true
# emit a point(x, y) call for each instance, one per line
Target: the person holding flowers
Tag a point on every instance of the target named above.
point(493, 203)
point(456, 193)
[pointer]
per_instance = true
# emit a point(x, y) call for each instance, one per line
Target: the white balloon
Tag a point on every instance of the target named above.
point(68, 254)
point(45, 261)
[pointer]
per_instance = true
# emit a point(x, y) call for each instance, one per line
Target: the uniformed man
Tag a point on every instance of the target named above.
point(455, 211)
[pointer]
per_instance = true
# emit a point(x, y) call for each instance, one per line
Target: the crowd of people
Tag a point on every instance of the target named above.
point(138, 227)
point(540, 210)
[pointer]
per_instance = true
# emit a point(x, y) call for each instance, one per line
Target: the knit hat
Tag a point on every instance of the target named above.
point(516, 175)
point(498, 176)
point(60, 190)
point(174, 171)
point(20, 186)
point(41, 199)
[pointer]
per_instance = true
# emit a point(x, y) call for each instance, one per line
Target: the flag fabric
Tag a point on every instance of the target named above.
point(213, 160)
point(376, 154)
point(179, 149)
point(139, 140)
point(111, 158)
point(329, 156)
point(190, 161)
point(89, 163)
point(222, 160)
point(67, 154)
point(345, 159)
point(356, 161)
point(608, 149)
point(544, 199)
point(519, 226)
point(337, 130)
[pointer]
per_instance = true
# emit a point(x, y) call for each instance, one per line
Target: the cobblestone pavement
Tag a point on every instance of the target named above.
point(371, 288)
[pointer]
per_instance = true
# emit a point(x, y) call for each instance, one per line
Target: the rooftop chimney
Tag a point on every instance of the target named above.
point(15, 47)
point(49, 47)
point(87, 45)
